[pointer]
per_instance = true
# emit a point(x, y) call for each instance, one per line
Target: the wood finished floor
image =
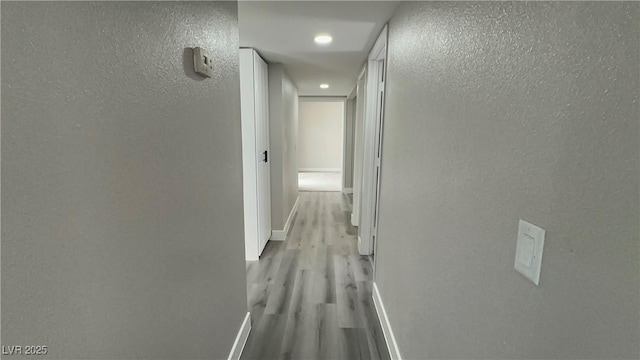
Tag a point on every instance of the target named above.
point(310, 295)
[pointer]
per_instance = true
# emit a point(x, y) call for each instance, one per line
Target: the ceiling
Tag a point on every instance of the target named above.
point(283, 32)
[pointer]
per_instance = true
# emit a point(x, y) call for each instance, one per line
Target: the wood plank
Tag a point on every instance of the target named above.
point(265, 339)
point(300, 336)
point(258, 296)
point(369, 317)
point(361, 267)
point(346, 294)
point(329, 341)
point(284, 284)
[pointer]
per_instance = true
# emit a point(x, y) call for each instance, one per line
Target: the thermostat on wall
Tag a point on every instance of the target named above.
point(202, 63)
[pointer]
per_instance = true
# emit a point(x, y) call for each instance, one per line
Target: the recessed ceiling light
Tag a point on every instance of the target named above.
point(323, 39)
point(324, 86)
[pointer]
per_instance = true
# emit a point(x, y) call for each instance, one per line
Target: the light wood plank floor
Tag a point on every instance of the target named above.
point(310, 295)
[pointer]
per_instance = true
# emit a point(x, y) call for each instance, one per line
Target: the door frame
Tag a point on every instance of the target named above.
point(358, 148)
point(373, 135)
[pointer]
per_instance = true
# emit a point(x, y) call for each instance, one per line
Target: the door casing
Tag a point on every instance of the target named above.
point(373, 135)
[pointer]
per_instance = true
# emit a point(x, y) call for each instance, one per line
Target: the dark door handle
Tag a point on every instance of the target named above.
point(265, 159)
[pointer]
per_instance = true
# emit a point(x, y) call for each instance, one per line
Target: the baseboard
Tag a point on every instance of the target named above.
point(347, 190)
point(241, 338)
point(320, 170)
point(392, 345)
point(354, 220)
point(248, 258)
point(279, 235)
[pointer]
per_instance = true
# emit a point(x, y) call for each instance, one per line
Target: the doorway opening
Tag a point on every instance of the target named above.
point(320, 144)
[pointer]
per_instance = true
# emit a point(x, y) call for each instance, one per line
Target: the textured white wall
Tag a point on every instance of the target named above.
point(320, 135)
point(122, 233)
point(283, 137)
point(349, 134)
point(290, 176)
point(500, 111)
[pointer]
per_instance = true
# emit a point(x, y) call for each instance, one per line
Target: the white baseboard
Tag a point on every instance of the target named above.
point(320, 170)
point(392, 345)
point(279, 235)
point(347, 191)
point(250, 258)
point(354, 220)
point(241, 338)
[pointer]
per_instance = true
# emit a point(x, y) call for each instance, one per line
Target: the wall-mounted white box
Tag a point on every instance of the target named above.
point(529, 250)
point(202, 62)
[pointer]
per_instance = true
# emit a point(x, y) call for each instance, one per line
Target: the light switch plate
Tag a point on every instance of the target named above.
point(529, 250)
point(202, 62)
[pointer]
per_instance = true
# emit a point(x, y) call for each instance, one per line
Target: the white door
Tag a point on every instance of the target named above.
point(256, 187)
point(261, 83)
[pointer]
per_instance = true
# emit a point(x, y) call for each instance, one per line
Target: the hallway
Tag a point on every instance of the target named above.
point(152, 206)
point(310, 295)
